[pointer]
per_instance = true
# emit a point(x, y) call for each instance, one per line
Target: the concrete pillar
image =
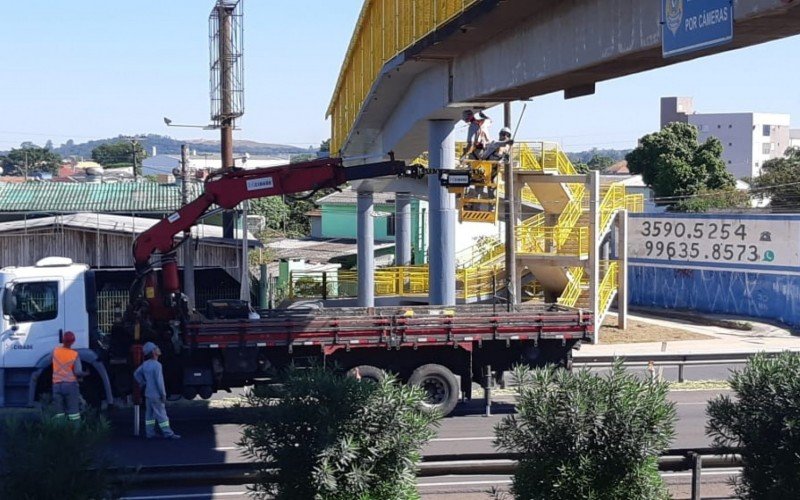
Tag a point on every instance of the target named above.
point(402, 229)
point(622, 284)
point(594, 250)
point(441, 216)
point(365, 240)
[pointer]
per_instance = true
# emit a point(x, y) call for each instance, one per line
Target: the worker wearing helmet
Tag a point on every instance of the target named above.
point(477, 134)
point(499, 149)
point(66, 370)
point(150, 377)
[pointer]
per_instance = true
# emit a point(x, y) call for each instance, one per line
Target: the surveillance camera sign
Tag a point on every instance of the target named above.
point(690, 25)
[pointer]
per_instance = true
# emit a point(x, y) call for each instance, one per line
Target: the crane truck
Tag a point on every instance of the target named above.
point(441, 349)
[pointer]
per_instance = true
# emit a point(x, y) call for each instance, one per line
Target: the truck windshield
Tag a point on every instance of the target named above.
point(30, 302)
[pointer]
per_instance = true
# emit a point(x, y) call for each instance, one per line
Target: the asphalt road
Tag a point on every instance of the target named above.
point(208, 435)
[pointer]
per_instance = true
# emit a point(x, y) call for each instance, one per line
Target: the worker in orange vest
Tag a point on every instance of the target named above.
point(66, 370)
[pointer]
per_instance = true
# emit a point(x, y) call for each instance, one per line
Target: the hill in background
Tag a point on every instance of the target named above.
point(168, 145)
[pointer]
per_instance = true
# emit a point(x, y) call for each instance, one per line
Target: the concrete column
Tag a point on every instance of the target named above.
point(441, 216)
point(622, 284)
point(594, 250)
point(402, 229)
point(365, 240)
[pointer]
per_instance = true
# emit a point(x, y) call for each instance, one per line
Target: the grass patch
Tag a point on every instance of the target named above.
point(640, 331)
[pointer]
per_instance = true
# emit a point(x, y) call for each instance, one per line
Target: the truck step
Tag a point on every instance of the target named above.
point(15, 386)
point(18, 376)
point(16, 397)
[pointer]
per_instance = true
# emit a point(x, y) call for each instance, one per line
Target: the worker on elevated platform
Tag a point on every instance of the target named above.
point(477, 134)
point(500, 149)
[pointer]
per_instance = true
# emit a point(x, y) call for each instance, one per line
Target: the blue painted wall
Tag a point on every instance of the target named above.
point(769, 296)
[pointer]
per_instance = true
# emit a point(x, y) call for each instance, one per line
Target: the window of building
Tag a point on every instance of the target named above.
point(730, 144)
point(29, 302)
point(765, 130)
point(719, 126)
point(390, 225)
point(766, 148)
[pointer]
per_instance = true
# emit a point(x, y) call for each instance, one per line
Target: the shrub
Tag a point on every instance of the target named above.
point(587, 436)
point(327, 436)
point(763, 420)
point(48, 459)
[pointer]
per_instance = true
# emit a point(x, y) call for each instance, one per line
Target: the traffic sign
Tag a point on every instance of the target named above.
point(689, 25)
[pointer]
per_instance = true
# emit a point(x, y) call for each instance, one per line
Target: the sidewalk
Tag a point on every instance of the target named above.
point(763, 337)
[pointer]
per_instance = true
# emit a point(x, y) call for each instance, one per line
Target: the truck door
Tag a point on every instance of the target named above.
point(33, 320)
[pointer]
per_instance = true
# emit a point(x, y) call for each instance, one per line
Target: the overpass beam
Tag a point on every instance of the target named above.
point(441, 216)
point(365, 242)
point(402, 230)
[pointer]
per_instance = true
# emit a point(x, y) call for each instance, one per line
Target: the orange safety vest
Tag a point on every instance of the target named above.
point(63, 363)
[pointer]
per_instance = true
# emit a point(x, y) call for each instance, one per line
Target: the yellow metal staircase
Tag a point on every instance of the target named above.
point(555, 255)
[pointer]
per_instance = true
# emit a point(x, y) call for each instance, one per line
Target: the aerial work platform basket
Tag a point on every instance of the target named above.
point(479, 201)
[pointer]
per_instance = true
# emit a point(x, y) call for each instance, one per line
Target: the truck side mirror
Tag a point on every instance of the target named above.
point(8, 302)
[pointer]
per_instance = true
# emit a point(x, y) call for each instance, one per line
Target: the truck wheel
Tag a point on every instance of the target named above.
point(439, 385)
point(367, 372)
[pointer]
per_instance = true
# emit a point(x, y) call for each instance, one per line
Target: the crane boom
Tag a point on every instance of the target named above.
point(228, 189)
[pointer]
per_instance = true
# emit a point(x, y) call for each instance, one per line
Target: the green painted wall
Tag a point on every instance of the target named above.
point(339, 221)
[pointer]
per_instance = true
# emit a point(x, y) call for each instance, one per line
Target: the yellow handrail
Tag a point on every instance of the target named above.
point(383, 30)
point(608, 286)
point(569, 297)
point(634, 203)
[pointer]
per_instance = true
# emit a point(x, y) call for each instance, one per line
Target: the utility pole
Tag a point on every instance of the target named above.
point(135, 170)
point(510, 220)
point(225, 12)
point(188, 248)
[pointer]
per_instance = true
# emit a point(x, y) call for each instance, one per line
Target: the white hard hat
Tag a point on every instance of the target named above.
point(505, 130)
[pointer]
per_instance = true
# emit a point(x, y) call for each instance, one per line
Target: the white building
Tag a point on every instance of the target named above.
point(748, 139)
point(165, 164)
point(794, 138)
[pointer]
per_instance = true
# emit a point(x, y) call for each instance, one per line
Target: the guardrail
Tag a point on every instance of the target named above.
point(679, 360)
point(241, 473)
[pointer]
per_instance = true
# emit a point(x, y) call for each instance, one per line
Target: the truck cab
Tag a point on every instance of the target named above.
point(39, 304)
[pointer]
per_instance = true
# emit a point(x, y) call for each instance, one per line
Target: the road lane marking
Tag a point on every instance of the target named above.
point(466, 483)
point(480, 438)
point(189, 495)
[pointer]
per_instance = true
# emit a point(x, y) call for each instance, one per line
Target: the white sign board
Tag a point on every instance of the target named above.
point(717, 241)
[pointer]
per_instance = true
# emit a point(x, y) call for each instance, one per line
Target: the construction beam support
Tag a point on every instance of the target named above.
point(622, 276)
point(365, 241)
point(402, 229)
point(441, 216)
point(594, 250)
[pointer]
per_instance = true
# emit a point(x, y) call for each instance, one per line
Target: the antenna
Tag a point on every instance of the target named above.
point(225, 37)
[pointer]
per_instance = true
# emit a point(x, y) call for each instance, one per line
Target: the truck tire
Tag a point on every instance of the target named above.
point(440, 387)
point(367, 372)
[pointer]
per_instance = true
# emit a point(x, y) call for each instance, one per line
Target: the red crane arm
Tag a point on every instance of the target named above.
point(232, 187)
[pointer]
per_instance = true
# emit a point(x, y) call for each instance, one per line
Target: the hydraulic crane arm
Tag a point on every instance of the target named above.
point(230, 188)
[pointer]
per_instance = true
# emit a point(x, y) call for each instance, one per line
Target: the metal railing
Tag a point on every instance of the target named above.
point(384, 29)
point(607, 288)
point(152, 477)
point(569, 297)
point(634, 203)
point(553, 240)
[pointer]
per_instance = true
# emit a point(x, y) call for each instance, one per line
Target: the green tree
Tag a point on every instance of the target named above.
point(582, 168)
point(780, 181)
point(328, 436)
point(599, 162)
point(325, 146)
point(674, 164)
point(119, 154)
point(762, 420)
point(30, 158)
point(587, 436)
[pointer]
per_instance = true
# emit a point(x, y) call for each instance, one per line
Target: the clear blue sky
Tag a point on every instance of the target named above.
point(90, 69)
